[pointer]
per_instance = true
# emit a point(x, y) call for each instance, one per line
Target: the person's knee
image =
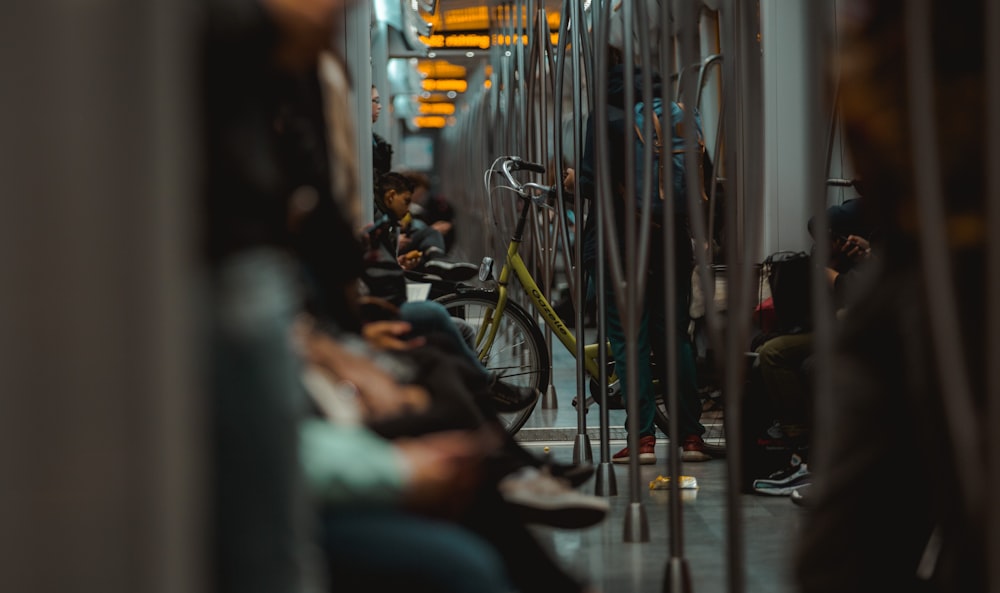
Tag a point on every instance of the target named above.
point(425, 315)
point(769, 354)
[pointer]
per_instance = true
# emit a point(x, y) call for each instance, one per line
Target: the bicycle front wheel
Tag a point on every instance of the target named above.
point(518, 354)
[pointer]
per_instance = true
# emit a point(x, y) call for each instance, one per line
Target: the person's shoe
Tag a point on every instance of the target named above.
point(575, 475)
point(509, 398)
point(800, 496)
point(784, 481)
point(451, 271)
point(693, 449)
point(647, 452)
point(544, 500)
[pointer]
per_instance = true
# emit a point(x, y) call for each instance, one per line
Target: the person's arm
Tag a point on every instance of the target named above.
point(351, 465)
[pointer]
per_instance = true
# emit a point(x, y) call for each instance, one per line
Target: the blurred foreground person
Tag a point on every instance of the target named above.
point(266, 221)
point(249, 47)
point(887, 512)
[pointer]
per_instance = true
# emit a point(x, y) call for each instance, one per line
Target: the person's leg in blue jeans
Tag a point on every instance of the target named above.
point(256, 405)
point(389, 550)
point(430, 317)
point(616, 336)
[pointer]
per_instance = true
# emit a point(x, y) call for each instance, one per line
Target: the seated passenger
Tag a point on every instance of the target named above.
point(785, 360)
point(415, 246)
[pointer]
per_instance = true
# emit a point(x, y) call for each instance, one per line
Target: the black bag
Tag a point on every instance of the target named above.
point(789, 276)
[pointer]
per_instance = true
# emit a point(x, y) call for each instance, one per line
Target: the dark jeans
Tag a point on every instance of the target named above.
point(389, 550)
point(432, 320)
point(650, 342)
point(257, 403)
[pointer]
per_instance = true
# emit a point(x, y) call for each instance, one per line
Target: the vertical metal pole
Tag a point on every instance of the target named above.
point(992, 44)
point(636, 523)
point(605, 483)
point(582, 442)
point(742, 81)
point(960, 415)
point(678, 577)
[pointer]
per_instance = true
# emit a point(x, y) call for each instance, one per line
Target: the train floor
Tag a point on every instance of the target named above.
point(599, 553)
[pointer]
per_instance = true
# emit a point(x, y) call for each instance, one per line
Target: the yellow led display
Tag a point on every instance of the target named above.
point(457, 41)
point(444, 85)
point(440, 69)
point(430, 121)
point(437, 108)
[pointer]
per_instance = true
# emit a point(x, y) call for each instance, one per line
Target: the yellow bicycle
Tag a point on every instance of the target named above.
point(508, 338)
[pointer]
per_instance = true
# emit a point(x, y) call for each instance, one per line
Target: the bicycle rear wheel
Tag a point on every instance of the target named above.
point(518, 355)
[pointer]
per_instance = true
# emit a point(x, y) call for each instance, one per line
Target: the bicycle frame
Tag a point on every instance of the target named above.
point(552, 320)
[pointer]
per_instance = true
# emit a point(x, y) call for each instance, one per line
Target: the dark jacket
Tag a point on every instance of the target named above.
point(617, 136)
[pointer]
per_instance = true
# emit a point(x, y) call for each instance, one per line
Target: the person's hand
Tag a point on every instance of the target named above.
point(442, 226)
point(404, 241)
point(380, 395)
point(388, 335)
point(410, 261)
point(569, 180)
point(856, 247)
point(443, 469)
point(831, 276)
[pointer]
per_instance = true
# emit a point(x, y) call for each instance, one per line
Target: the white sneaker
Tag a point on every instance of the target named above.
point(545, 500)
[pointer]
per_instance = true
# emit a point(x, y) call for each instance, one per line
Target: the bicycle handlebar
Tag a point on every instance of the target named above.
point(520, 165)
point(534, 191)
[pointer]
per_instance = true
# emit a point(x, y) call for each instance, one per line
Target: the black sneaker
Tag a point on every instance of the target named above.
point(575, 475)
point(451, 271)
point(783, 482)
point(509, 398)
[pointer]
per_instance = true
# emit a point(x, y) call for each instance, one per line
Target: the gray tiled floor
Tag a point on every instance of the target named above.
point(599, 553)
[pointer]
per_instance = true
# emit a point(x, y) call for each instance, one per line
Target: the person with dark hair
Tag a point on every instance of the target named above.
point(424, 249)
point(432, 209)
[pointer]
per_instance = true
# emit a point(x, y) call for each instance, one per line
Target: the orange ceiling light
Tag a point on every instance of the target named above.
point(440, 69)
point(437, 108)
point(444, 85)
point(430, 121)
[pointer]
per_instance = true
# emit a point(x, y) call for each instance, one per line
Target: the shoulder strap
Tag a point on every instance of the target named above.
point(657, 134)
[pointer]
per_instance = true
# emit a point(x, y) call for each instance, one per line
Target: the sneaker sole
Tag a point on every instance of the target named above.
point(644, 459)
point(770, 489)
point(695, 456)
point(561, 517)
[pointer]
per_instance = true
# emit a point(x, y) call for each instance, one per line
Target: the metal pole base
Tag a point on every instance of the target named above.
point(549, 401)
point(636, 524)
point(582, 451)
point(604, 480)
point(678, 578)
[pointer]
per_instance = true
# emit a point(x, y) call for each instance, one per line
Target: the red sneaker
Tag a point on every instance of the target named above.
point(647, 455)
point(694, 449)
